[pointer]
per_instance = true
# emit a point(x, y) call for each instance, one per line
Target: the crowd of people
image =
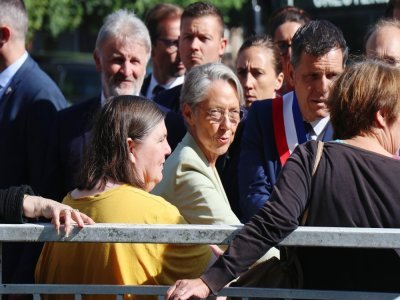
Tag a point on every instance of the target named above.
point(197, 142)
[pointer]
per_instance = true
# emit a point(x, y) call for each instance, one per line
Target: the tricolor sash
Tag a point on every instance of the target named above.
point(288, 125)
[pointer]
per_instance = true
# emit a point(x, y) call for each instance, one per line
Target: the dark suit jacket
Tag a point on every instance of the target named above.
point(73, 133)
point(259, 163)
point(27, 113)
point(145, 85)
point(71, 137)
point(170, 98)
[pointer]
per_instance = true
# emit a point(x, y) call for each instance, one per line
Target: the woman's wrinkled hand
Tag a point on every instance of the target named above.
point(34, 206)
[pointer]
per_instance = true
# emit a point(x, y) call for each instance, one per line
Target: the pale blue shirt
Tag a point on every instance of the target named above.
point(9, 72)
point(319, 127)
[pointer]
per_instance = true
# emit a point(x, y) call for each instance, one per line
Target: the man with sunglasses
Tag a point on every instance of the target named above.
point(283, 25)
point(201, 41)
point(163, 22)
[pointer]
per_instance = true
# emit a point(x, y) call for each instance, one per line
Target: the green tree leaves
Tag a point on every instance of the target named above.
point(56, 16)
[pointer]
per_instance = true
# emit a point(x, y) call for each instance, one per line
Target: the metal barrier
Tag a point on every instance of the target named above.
point(194, 234)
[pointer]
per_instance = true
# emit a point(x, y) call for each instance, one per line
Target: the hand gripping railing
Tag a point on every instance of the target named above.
point(195, 234)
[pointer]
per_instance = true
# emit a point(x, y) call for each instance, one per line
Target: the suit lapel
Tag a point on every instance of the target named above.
point(5, 102)
point(328, 133)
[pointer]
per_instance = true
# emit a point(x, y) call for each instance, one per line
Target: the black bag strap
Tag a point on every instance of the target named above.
point(318, 156)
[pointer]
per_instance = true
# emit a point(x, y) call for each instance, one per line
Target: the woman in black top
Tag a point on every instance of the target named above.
point(356, 185)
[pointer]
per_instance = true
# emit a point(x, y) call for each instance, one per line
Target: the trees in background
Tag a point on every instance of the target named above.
point(56, 16)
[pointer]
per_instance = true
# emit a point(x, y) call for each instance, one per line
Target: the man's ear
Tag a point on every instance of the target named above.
point(187, 114)
point(97, 60)
point(223, 43)
point(5, 34)
point(131, 149)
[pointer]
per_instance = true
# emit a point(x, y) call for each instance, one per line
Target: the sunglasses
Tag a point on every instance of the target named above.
point(171, 45)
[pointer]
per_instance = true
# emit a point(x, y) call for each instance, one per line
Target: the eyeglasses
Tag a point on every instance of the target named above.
point(283, 47)
point(171, 45)
point(217, 115)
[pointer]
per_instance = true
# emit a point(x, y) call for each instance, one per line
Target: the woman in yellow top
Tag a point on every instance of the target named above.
point(123, 164)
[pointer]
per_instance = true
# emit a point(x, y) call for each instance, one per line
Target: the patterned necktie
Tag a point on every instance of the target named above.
point(157, 89)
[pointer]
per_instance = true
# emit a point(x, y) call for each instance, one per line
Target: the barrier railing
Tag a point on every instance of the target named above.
point(194, 234)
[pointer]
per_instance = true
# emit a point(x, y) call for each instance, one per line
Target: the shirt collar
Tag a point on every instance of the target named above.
point(320, 125)
point(153, 82)
point(11, 70)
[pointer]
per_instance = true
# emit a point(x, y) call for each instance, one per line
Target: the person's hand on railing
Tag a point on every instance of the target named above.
point(188, 288)
point(35, 206)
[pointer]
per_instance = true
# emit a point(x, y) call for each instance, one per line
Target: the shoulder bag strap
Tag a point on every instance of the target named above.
point(318, 156)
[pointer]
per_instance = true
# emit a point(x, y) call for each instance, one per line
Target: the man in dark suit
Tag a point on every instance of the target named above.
point(163, 22)
point(29, 100)
point(121, 54)
point(274, 128)
point(201, 41)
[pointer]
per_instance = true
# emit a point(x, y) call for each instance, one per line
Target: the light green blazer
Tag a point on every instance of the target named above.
point(194, 187)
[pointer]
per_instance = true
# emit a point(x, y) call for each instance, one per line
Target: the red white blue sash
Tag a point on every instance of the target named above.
point(288, 125)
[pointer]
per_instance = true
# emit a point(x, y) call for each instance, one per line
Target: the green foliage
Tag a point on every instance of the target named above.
point(56, 16)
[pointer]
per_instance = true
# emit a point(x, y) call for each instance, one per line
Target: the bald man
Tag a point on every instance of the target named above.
point(383, 41)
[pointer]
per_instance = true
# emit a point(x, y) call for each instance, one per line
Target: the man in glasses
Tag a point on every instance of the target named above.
point(163, 22)
point(382, 41)
point(283, 25)
point(201, 41)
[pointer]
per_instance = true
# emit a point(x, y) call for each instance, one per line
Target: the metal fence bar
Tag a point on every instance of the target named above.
point(160, 291)
point(200, 234)
point(194, 234)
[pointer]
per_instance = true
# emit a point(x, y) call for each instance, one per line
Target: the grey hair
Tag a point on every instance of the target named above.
point(124, 25)
point(198, 81)
point(13, 13)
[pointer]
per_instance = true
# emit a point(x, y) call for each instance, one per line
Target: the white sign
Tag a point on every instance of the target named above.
point(345, 3)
